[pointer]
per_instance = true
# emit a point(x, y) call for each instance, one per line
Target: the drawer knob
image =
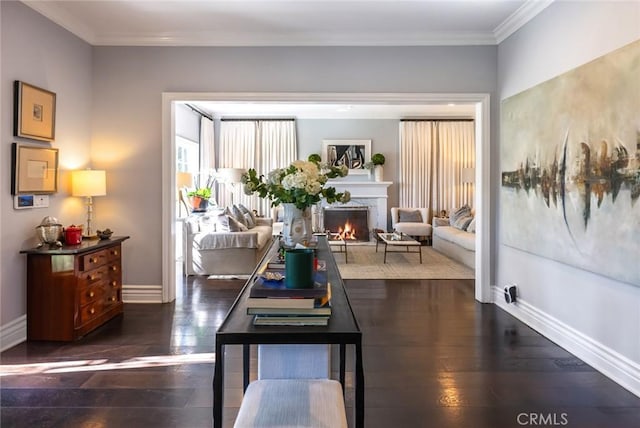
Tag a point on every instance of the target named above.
point(91, 294)
point(92, 260)
point(114, 268)
point(114, 283)
point(92, 311)
point(112, 298)
point(114, 252)
point(92, 277)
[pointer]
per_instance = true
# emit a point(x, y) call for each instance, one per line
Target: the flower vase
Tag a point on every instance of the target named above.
point(296, 228)
point(378, 172)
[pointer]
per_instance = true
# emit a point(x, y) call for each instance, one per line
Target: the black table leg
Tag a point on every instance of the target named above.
point(245, 367)
point(218, 385)
point(343, 357)
point(359, 387)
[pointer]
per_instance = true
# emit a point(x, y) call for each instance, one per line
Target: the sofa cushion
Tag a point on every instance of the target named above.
point(464, 239)
point(409, 216)
point(244, 210)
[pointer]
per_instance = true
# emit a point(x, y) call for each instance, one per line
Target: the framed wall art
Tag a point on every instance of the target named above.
point(352, 153)
point(34, 112)
point(34, 169)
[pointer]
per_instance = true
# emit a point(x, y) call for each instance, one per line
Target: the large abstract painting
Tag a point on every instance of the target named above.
point(570, 160)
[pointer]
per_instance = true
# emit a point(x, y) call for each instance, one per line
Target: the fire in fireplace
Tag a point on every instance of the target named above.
point(352, 223)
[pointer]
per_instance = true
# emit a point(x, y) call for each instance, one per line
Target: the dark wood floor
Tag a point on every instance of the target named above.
point(433, 357)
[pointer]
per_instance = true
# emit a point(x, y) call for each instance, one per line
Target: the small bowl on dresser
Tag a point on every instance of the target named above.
point(104, 234)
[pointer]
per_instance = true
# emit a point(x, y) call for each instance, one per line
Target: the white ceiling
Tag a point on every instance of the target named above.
point(290, 22)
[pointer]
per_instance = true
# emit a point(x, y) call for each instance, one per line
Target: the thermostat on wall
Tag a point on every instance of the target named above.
point(21, 202)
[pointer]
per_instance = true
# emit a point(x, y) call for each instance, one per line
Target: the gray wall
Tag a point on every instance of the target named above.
point(564, 36)
point(383, 134)
point(38, 52)
point(129, 81)
point(109, 116)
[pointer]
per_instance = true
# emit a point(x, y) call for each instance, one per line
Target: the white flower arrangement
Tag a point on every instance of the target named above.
point(301, 183)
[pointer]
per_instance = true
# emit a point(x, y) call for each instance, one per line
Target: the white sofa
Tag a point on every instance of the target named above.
point(208, 252)
point(457, 244)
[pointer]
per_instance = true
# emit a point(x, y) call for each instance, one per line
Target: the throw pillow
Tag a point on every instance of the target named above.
point(222, 224)
point(236, 226)
point(208, 223)
point(462, 222)
point(249, 220)
point(238, 215)
point(472, 226)
point(246, 210)
point(409, 216)
point(463, 211)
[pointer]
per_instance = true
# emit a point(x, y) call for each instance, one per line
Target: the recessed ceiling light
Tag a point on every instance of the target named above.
point(451, 105)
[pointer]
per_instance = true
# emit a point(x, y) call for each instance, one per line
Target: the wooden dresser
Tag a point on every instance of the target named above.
point(74, 289)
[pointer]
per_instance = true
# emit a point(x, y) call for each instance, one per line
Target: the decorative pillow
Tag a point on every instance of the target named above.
point(463, 211)
point(249, 221)
point(222, 224)
point(407, 216)
point(472, 226)
point(236, 226)
point(208, 223)
point(245, 210)
point(238, 215)
point(462, 222)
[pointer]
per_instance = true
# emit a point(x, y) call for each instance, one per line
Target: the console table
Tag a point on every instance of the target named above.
point(74, 289)
point(238, 329)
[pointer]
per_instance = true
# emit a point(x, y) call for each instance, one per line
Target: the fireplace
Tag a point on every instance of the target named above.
point(352, 223)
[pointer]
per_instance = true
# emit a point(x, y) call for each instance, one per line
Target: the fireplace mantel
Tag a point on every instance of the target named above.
point(370, 193)
point(362, 189)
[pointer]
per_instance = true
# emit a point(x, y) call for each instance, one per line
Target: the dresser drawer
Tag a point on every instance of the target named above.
point(113, 253)
point(92, 292)
point(94, 260)
point(91, 311)
point(93, 276)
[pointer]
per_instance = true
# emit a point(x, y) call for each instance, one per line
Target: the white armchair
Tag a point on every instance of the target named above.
point(411, 221)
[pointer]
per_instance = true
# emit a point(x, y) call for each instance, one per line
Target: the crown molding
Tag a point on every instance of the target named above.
point(519, 18)
point(303, 39)
point(56, 14)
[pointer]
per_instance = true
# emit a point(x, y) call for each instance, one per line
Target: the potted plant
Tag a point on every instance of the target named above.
point(315, 158)
point(377, 160)
point(201, 195)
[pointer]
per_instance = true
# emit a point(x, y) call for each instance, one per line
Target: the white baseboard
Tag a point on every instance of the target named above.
point(602, 358)
point(142, 293)
point(13, 332)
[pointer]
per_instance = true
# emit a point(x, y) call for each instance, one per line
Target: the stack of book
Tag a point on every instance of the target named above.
point(272, 303)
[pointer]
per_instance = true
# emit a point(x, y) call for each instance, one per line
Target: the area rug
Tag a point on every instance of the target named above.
point(365, 263)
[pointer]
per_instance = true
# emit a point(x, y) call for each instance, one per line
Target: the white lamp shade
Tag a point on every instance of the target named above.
point(468, 175)
point(230, 175)
point(89, 182)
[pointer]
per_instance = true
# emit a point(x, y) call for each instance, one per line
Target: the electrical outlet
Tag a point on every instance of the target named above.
point(510, 293)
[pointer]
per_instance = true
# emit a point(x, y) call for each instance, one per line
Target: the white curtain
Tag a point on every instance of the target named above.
point(263, 145)
point(207, 145)
point(433, 155)
point(237, 150)
point(277, 148)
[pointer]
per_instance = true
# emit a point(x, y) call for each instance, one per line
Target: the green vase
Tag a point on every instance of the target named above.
point(298, 266)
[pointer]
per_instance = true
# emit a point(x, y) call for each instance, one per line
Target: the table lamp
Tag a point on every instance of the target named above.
point(89, 183)
point(230, 176)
